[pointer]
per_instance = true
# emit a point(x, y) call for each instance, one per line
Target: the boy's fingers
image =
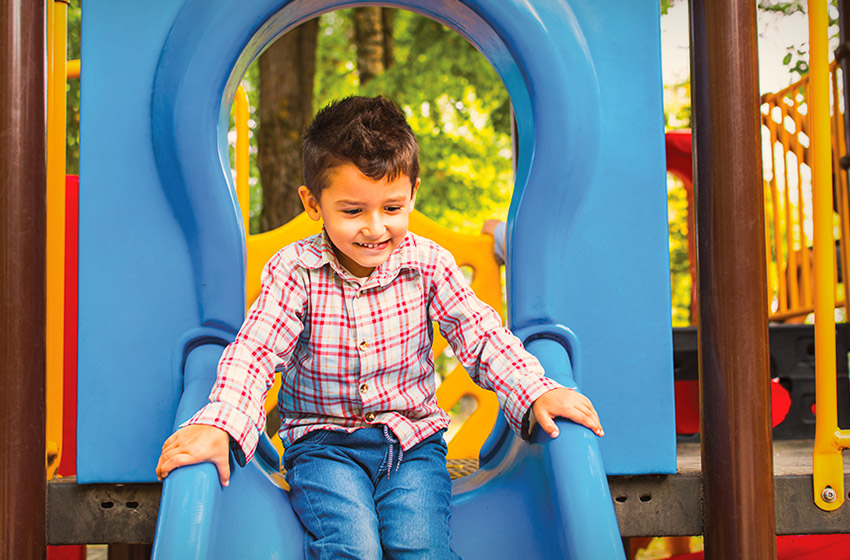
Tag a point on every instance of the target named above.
point(547, 423)
point(571, 405)
point(172, 459)
point(223, 468)
point(590, 419)
point(171, 442)
point(587, 417)
point(594, 424)
point(160, 471)
point(165, 466)
point(171, 463)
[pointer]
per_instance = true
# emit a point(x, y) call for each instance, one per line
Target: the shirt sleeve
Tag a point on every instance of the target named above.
point(494, 358)
point(246, 369)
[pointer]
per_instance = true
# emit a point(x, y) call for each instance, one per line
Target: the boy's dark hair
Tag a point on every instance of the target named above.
point(370, 132)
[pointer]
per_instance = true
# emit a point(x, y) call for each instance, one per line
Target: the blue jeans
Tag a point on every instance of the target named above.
point(359, 497)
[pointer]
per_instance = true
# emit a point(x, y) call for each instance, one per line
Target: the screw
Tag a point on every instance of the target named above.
point(828, 495)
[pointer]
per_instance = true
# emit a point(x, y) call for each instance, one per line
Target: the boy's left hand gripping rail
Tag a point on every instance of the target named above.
point(572, 461)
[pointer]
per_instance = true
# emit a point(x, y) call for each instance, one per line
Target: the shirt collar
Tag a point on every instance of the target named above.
point(321, 253)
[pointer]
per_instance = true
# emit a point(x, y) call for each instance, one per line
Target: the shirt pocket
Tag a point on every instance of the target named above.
point(403, 326)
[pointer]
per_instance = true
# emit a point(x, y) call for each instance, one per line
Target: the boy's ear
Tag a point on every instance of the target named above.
point(413, 193)
point(311, 205)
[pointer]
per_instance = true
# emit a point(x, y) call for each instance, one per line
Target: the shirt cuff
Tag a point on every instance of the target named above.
point(243, 434)
point(529, 421)
point(518, 405)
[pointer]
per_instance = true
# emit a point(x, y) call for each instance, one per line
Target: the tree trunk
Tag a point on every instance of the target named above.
point(387, 18)
point(287, 72)
point(373, 37)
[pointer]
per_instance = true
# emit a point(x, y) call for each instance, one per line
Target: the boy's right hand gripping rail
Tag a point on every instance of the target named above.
point(543, 499)
point(198, 519)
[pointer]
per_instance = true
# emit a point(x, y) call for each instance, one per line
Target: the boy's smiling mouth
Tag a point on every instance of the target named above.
point(379, 245)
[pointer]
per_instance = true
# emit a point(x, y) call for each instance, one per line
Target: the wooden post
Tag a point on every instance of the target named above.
point(23, 176)
point(737, 455)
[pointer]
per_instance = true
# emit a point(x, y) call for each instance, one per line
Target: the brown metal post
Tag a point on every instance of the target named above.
point(737, 455)
point(23, 176)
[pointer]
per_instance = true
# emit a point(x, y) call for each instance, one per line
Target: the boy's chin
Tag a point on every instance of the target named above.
point(366, 267)
point(363, 267)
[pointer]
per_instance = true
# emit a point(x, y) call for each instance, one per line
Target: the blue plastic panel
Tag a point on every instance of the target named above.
point(136, 297)
point(160, 243)
point(588, 235)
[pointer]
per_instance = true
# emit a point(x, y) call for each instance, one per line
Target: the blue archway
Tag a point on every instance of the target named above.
point(540, 54)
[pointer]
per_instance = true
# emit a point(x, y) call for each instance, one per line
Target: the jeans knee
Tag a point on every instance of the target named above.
point(419, 533)
point(418, 542)
point(353, 547)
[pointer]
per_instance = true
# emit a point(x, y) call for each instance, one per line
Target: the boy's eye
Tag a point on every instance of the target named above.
point(351, 211)
point(392, 208)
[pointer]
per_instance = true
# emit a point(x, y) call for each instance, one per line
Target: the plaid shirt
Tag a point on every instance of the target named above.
point(352, 355)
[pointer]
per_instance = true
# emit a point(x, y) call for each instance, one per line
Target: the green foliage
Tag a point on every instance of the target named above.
point(455, 103)
point(454, 100)
point(677, 115)
point(336, 56)
point(460, 112)
point(786, 8)
point(796, 58)
point(680, 275)
point(72, 131)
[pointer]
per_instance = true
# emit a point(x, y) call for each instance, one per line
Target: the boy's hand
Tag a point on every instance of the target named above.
point(565, 403)
point(193, 444)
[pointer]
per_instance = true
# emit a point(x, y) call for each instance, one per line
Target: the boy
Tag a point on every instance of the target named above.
point(346, 317)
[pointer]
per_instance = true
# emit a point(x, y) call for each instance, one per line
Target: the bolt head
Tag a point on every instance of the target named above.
point(828, 495)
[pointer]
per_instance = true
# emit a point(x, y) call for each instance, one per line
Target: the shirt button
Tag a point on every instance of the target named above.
point(364, 345)
point(370, 416)
point(364, 389)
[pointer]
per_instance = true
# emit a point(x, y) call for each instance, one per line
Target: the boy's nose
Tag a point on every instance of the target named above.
point(374, 225)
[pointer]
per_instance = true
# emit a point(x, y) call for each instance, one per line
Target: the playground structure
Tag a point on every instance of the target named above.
point(120, 451)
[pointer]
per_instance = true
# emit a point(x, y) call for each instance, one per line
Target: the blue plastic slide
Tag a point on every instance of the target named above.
point(544, 499)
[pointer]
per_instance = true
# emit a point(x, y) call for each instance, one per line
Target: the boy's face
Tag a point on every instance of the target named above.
point(365, 219)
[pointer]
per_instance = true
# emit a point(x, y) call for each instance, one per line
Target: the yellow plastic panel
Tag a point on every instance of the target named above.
point(475, 252)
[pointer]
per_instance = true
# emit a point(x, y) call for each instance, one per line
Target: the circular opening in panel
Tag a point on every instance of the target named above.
point(453, 98)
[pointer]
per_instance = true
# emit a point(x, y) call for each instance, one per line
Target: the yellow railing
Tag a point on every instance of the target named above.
point(786, 138)
point(803, 139)
point(803, 135)
point(827, 459)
